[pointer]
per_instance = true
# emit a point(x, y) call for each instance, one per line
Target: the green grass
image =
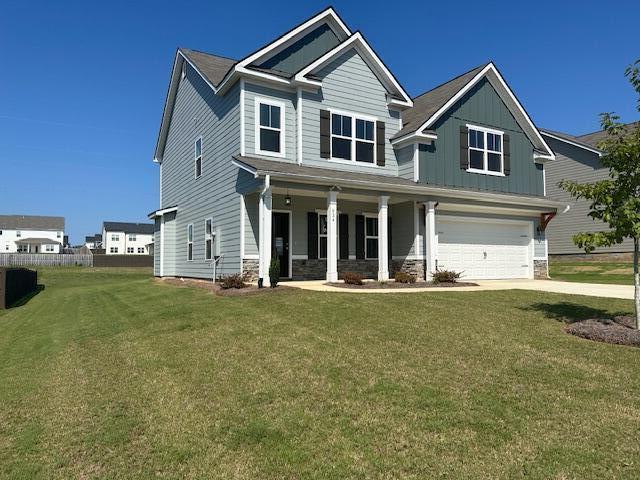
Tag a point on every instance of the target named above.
point(592, 272)
point(106, 374)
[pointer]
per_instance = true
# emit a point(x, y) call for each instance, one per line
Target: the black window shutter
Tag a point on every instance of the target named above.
point(380, 143)
point(359, 236)
point(344, 236)
point(325, 133)
point(506, 149)
point(464, 147)
point(312, 235)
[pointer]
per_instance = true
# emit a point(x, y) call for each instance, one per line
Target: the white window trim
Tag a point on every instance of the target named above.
point(353, 138)
point(283, 138)
point(115, 237)
point(377, 237)
point(195, 158)
point(140, 248)
point(132, 237)
point(190, 242)
point(208, 236)
point(133, 250)
point(486, 152)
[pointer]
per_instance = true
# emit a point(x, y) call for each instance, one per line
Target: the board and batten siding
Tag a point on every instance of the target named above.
point(348, 84)
point(199, 112)
point(582, 166)
point(482, 106)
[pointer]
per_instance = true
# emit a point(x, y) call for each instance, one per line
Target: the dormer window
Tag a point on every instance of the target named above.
point(485, 151)
point(270, 127)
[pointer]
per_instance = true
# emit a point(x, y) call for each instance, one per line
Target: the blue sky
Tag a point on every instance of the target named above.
point(83, 83)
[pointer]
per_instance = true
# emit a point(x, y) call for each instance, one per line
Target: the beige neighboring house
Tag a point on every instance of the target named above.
point(122, 238)
point(31, 234)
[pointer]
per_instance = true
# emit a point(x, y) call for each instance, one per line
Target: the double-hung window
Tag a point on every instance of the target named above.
point(140, 249)
point(132, 237)
point(48, 248)
point(113, 249)
point(18, 233)
point(190, 242)
point(208, 239)
point(371, 237)
point(270, 127)
point(115, 238)
point(130, 249)
point(485, 151)
point(197, 157)
point(352, 138)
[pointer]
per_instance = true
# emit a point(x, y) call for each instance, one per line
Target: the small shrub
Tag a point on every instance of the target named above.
point(404, 277)
point(446, 276)
point(352, 278)
point(274, 272)
point(232, 281)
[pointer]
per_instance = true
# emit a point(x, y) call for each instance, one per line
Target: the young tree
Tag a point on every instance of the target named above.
point(616, 200)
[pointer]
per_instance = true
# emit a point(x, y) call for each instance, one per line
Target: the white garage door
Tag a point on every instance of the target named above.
point(484, 249)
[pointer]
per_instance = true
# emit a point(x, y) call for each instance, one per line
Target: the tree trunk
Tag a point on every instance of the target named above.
point(636, 279)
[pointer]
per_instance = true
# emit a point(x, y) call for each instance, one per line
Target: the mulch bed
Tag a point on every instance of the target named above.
point(618, 331)
point(217, 290)
point(391, 284)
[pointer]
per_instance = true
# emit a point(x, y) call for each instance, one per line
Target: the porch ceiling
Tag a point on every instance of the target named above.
point(295, 173)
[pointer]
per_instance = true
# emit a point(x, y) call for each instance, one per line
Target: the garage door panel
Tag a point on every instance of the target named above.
point(484, 250)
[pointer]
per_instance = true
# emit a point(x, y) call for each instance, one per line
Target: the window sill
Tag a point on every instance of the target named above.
point(486, 172)
point(354, 162)
point(267, 153)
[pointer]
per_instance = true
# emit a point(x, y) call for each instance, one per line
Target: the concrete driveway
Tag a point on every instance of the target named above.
point(570, 288)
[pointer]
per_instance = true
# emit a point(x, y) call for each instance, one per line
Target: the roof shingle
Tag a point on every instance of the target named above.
point(31, 222)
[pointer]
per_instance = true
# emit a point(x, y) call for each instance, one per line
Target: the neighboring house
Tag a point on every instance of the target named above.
point(121, 238)
point(93, 241)
point(577, 158)
point(311, 151)
point(31, 234)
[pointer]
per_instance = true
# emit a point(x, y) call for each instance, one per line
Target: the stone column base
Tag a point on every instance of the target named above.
point(250, 269)
point(540, 269)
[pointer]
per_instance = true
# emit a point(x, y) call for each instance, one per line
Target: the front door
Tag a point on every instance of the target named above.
point(280, 241)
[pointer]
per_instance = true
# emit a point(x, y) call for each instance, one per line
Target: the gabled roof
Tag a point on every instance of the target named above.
point(377, 66)
point(141, 228)
point(213, 67)
point(570, 139)
point(425, 105)
point(595, 138)
point(38, 240)
point(446, 95)
point(31, 222)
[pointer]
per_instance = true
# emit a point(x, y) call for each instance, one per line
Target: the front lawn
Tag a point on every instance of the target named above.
point(108, 374)
point(592, 272)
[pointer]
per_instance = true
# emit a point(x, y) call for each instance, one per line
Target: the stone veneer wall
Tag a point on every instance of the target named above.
point(317, 269)
point(540, 269)
point(414, 267)
point(250, 269)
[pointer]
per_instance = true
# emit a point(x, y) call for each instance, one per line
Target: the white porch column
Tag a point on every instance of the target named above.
point(383, 238)
point(265, 235)
point(332, 236)
point(431, 239)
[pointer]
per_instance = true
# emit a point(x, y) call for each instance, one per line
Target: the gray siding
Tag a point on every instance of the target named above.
point(348, 84)
point(402, 226)
point(404, 156)
point(253, 92)
point(440, 162)
point(300, 54)
point(199, 112)
point(156, 247)
point(582, 166)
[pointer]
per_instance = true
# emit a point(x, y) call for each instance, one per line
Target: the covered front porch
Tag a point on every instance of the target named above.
point(321, 224)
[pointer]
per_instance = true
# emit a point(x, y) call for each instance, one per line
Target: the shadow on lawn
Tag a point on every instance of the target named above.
point(24, 300)
point(568, 312)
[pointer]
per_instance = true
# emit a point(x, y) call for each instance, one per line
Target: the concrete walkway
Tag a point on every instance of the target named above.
point(570, 288)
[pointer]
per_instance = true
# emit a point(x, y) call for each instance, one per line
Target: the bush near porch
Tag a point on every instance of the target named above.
point(109, 374)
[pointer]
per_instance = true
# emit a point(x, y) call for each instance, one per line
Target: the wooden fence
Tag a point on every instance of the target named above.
point(44, 260)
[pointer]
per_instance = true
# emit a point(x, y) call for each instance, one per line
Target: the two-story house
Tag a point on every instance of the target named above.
point(309, 149)
point(123, 238)
point(31, 234)
point(577, 158)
